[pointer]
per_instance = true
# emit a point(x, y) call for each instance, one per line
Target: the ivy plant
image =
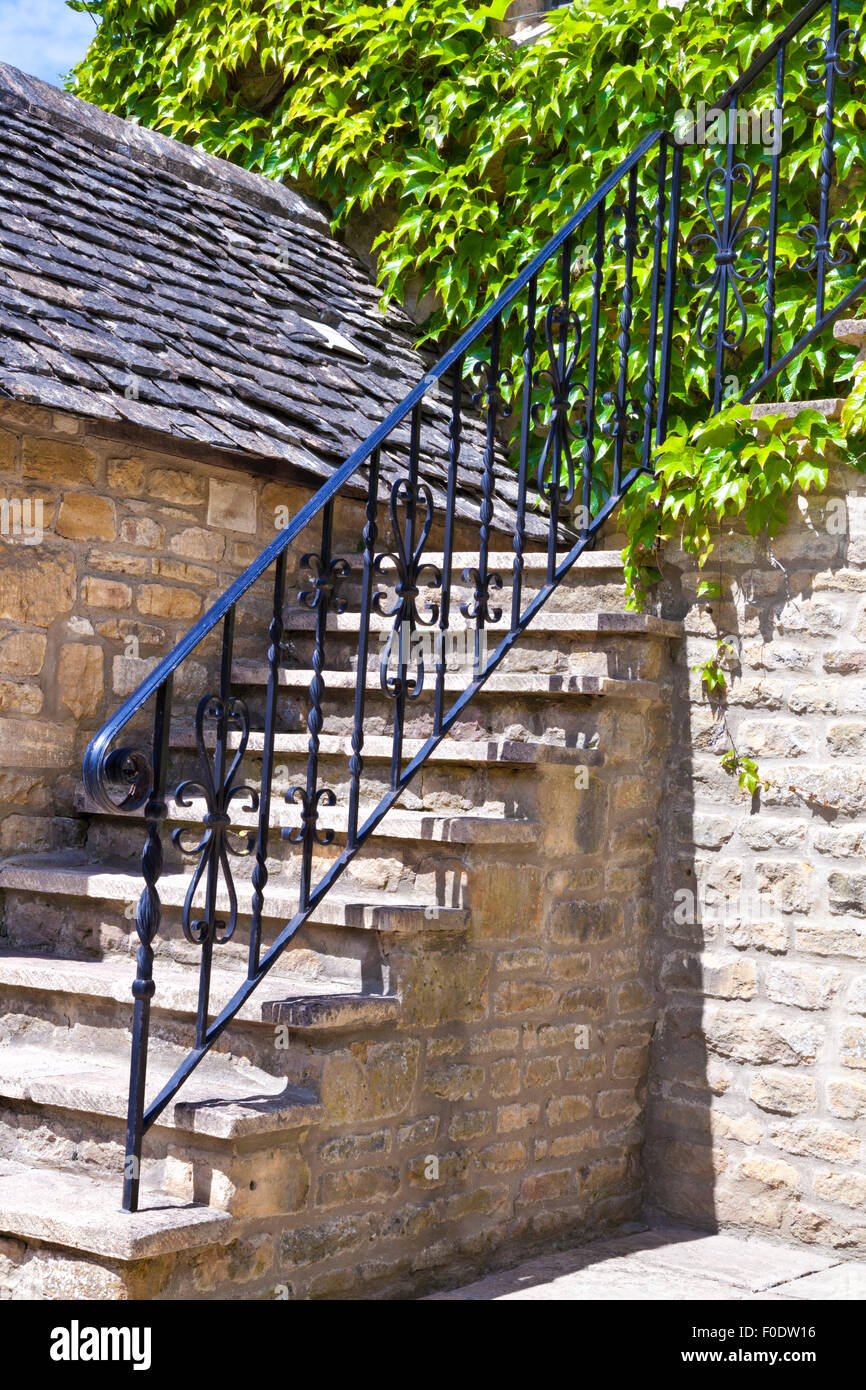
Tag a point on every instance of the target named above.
point(469, 151)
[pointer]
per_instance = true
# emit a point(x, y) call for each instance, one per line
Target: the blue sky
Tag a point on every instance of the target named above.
point(43, 37)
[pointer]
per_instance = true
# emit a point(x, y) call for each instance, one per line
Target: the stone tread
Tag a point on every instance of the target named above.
point(547, 622)
point(532, 684)
point(297, 1000)
point(82, 1212)
point(850, 331)
point(534, 561)
point(220, 1099)
point(831, 408)
point(396, 825)
point(497, 751)
point(70, 874)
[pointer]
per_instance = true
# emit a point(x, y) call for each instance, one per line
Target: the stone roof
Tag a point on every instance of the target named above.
point(143, 281)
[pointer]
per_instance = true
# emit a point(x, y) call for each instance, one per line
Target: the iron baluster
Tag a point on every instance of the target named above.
point(260, 871)
point(725, 239)
point(649, 391)
point(217, 790)
point(455, 431)
point(490, 399)
point(147, 920)
point(778, 117)
point(327, 574)
point(622, 406)
point(588, 450)
point(410, 572)
point(519, 541)
point(724, 261)
point(823, 260)
point(669, 310)
point(370, 536)
point(556, 455)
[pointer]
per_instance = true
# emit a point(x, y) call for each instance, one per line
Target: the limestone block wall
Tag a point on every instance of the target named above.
point(507, 1108)
point(504, 1103)
point(500, 1109)
point(758, 1086)
point(109, 553)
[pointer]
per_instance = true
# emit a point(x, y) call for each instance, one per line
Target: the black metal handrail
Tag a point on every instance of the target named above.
point(569, 381)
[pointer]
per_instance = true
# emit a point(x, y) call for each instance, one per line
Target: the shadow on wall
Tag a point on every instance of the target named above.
point(754, 1093)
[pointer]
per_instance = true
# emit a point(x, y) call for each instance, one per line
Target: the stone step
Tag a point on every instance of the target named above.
point(81, 1211)
point(567, 626)
point(220, 1099)
point(500, 751)
point(71, 875)
point(850, 331)
point(305, 1005)
point(396, 825)
point(521, 686)
point(501, 561)
point(830, 407)
point(596, 578)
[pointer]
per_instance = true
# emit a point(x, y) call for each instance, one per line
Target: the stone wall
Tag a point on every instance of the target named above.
point(758, 1090)
point(500, 1109)
point(502, 1104)
point(109, 553)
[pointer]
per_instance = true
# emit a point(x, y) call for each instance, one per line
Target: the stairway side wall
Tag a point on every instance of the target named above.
point(503, 1111)
point(506, 1107)
point(758, 1080)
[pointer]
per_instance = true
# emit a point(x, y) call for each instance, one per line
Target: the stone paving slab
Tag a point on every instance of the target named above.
point(670, 1263)
point(745, 1262)
point(839, 1283)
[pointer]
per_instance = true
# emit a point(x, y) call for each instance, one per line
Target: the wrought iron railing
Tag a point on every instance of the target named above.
point(601, 314)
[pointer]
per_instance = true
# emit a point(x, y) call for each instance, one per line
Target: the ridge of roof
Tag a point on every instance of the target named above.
point(148, 147)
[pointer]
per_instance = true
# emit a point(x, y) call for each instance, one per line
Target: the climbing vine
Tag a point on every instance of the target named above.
point(468, 152)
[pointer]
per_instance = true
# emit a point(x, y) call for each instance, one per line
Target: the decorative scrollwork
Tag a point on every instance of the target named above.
point(823, 245)
point(489, 395)
point(129, 773)
point(823, 230)
point(479, 608)
point(215, 845)
point(726, 242)
point(831, 56)
point(628, 239)
point(326, 580)
point(559, 428)
point(621, 412)
point(411, 574)
point(307, 829)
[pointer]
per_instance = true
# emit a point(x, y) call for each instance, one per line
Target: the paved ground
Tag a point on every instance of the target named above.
point(676, 1263)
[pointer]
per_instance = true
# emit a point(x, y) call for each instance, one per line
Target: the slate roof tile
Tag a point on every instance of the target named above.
point(127, 258)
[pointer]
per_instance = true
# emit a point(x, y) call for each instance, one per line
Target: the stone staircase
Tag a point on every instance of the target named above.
point(389, 954)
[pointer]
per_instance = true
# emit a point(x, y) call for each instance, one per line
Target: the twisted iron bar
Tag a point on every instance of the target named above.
point(824, 231)
point(261, 872)
point(369, 537)
point(328, 572)
point(491, 401)
point(622, 406)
